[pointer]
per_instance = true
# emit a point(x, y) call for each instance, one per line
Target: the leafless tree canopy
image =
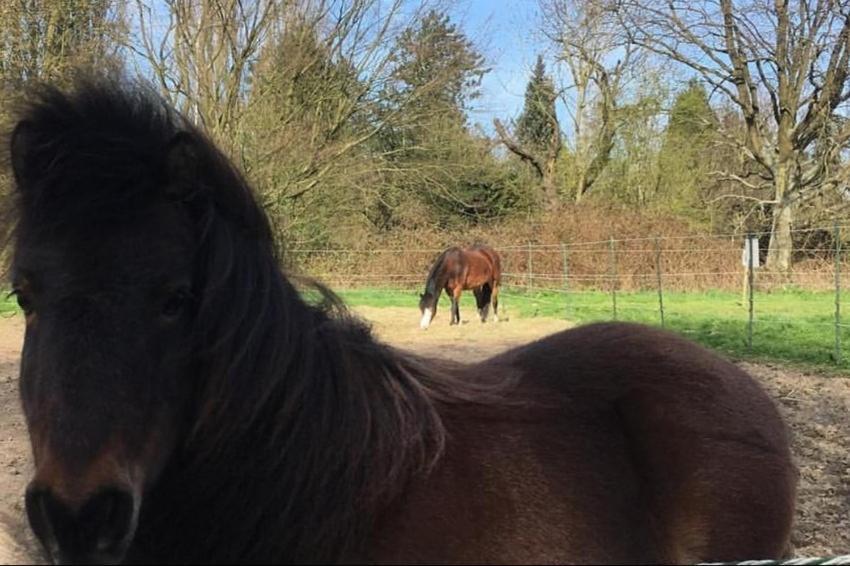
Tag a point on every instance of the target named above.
point(354, 118)
point(784, 66)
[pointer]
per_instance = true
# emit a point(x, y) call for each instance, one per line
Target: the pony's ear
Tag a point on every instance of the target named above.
point(22, 146)
point(183, 166)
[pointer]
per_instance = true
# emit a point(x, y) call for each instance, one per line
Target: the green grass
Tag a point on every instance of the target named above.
point(8, 304)
point(795, 327)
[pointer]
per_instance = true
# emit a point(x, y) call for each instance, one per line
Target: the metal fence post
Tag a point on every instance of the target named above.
point(751, 298)
point(658, 279)
point(837, 293)
point(614, 277)
point(529, 270)
point(565, 263)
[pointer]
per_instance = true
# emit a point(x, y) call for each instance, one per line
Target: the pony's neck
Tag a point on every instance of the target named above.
point(302, 442)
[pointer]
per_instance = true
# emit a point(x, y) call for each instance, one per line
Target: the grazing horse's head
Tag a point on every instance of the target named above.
point(427, 308)
point(110, 216)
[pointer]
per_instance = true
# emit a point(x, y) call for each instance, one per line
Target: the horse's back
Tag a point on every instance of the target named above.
point(707, 442)
point(616, 444)
point(488, 251)
point(481, 266)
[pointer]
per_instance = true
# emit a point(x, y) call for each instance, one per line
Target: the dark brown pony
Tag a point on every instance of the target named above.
point(478, 268)
point(185, 404)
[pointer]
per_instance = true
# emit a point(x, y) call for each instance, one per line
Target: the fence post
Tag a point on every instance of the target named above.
point(529, 270)
point(565, 262)
point(614, 277)
point(837, 293)
point(658, 279)
point(750, 281)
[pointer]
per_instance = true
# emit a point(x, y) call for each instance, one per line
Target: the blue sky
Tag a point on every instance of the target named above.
point(505, 31)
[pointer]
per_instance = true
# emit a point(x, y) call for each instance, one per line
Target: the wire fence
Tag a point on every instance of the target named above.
point(660, 280)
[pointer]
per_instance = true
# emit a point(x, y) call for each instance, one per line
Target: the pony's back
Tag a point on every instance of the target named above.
point(662, 452)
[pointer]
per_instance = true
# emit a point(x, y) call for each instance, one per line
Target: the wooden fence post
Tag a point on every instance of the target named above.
point(837, 293)
point(658, 280)
point(614, 277)
point(751, 297)
point(565, 278)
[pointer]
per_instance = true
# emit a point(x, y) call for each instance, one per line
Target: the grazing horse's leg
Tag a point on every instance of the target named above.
point(486, 299)
point(455, 294)
point(494, 300)
point(482, 301)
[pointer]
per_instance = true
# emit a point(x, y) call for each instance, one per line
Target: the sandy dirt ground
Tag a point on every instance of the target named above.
point(817, 408)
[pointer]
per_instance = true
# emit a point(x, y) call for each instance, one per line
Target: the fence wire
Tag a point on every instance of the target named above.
point(564, 277)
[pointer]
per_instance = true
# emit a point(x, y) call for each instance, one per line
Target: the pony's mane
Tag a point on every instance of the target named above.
point(330, 423)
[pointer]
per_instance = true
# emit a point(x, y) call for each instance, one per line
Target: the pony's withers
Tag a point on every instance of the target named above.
point(185, 404)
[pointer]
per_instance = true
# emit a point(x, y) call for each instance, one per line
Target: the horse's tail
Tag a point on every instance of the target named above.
point(486, 294)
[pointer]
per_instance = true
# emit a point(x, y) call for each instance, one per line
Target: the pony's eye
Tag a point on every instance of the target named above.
point(175, 304)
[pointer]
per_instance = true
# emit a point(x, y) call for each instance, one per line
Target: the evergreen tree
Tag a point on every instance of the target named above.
point(438, 160)
point(691, 118)
point(438, 62)
point(685, 157)
point(534, 126)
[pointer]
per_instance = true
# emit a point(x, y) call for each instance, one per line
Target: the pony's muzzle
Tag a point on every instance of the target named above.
point(96, 531)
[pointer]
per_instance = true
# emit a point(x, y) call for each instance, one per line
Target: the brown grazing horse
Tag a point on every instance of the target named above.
point(186, 405)
point(478, 268)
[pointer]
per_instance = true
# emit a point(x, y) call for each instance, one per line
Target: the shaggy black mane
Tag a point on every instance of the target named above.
point(298, 407)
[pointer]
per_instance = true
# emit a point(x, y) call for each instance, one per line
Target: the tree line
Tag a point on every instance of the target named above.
point(352, 117)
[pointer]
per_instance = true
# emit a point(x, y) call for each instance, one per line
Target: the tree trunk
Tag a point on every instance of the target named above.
point(581, 186)
point(550, 187)
point(779, 249)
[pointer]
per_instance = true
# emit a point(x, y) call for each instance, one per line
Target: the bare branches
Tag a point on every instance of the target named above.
point(49, 40)
point(201, 59)
point(796, 55)
point(600, 58)
point(526, 154)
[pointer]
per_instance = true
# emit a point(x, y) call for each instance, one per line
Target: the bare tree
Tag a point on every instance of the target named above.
point(50, 39)
point(202, 57)
point(598, 60)
point(785, 67)
point(542, 159)
point(321, 80)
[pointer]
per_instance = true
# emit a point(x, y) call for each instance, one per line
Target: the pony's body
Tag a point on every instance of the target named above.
point(458, 269)
point(611, 459)
point(186, 405)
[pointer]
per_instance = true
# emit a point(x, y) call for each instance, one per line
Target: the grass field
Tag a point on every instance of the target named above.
point(792, 326)
point(8, 305)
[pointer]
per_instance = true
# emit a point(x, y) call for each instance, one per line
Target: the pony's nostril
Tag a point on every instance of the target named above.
point(106, 518)
point(100, 527)
point(38, 507)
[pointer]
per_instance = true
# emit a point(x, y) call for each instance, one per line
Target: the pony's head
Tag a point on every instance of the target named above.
point(427, 308)
point(111, 268)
